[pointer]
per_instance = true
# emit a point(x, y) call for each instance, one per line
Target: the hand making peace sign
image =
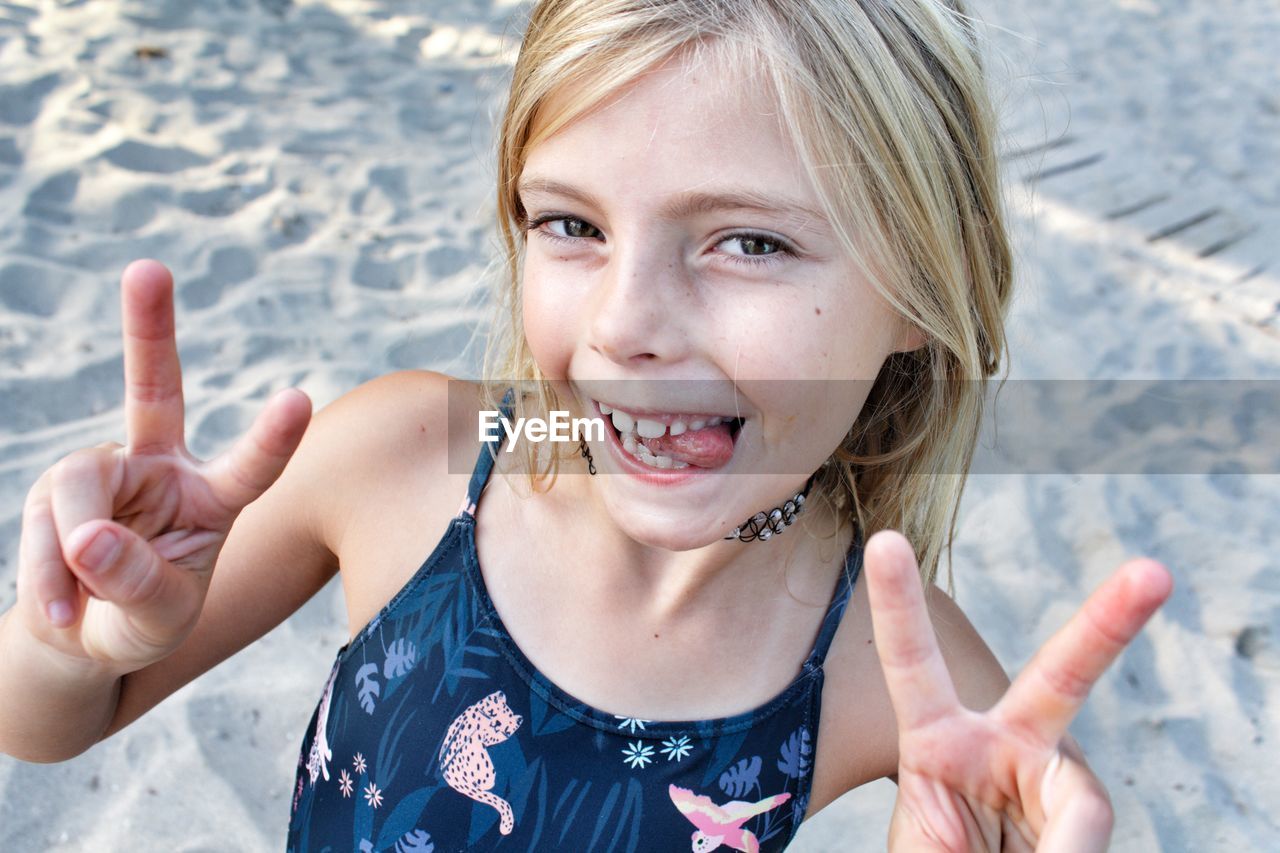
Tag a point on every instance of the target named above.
point(118, 543)
point(998, 780)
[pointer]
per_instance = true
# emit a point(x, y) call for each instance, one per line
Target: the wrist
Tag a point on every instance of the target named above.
point(42, 649)
point(62, 704)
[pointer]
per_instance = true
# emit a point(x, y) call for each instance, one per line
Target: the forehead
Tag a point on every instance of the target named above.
point(600, 84)
point(696, 118)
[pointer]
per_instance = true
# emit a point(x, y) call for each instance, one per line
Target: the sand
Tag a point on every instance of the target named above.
point(317, 175)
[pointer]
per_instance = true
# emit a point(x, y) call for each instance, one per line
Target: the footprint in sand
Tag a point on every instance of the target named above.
point(33, 403)
point(154, 159)
point(20, 103)
point(50, 200)
point(9, 153)
point(32, 290)
point(228, 266)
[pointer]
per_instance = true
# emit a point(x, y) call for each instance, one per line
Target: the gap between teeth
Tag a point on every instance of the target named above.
point(655, 429)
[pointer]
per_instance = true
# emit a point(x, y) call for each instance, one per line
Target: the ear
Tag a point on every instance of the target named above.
point(912, 338)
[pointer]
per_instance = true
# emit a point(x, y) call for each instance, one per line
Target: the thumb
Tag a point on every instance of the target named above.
point(1078, 813)
point(245, 471)
point(118, 566)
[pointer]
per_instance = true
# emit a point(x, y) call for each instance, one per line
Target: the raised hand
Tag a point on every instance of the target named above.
point(1001, 779)
point(118, 543)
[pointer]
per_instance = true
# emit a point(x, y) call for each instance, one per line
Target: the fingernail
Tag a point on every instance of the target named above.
point(60, 613)
point(100, 552)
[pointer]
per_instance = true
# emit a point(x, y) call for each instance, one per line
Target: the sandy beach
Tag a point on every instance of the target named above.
point(318, 176)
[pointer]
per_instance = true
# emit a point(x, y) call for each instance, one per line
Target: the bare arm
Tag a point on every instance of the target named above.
point(285, 546)
point(41, 686)
point(118, 545)
point(274, 560)
point(281, 549)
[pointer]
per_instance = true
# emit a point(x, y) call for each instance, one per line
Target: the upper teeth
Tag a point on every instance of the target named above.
point(649, 429)
point(646, 428)
point(623, 421)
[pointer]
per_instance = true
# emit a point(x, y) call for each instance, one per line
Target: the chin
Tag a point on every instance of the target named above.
point(669, 532)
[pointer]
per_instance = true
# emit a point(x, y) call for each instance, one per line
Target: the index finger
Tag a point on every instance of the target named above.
point(1048, 694)
point(919, 683)
point(152, 375)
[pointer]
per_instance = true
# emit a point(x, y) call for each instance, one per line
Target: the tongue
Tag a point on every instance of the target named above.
point(709, 447)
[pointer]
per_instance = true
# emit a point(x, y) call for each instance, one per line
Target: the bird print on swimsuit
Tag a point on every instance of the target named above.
point(435, 733)
point(717, 825)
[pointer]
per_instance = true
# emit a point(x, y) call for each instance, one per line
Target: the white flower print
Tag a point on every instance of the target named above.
point(637, 755)
point(345, 783)
point(358, 763)
point(372, 795)
point(676, 748)
point(631, 724)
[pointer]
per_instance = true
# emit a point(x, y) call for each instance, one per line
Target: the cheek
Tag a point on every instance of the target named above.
point(806, 419)
point(548, 322)
point(858, 333)
point(815, 343)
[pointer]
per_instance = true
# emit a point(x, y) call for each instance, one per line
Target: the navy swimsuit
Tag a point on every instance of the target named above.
point(436, 734)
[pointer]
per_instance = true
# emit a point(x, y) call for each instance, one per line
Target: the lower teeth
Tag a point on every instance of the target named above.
point(631, 444)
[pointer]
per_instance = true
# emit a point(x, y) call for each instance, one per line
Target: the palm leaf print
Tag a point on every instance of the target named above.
point(627, 824)
point(403, 819)
point(741, 777)
point(400, 658)
point(415, 842)
point(726, 747)
point(795, 753)
point(367, 686)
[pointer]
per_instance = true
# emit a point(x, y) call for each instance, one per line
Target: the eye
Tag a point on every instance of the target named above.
point(563, 228)
point(755, 245)
point(756, 249)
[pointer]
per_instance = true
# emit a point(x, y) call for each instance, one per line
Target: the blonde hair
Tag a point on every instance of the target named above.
point(887, 105)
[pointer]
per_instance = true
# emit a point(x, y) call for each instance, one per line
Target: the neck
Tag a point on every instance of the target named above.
point(664, 581)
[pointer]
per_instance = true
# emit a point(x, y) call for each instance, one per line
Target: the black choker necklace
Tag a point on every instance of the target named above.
point(763, 525)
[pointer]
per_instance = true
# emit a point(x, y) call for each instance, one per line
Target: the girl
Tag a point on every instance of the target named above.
point(762, 240)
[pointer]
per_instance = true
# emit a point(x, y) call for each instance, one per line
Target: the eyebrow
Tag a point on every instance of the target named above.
point(691, 203)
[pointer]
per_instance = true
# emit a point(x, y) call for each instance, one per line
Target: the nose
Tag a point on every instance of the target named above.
point(639, 307)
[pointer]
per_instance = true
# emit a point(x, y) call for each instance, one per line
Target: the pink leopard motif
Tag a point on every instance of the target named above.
point(464, 763)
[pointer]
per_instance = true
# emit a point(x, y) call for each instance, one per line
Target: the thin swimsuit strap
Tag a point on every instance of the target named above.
point(839, 600)
point(484, 464)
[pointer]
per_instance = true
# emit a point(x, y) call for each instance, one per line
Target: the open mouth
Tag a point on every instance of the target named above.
point(674, 441)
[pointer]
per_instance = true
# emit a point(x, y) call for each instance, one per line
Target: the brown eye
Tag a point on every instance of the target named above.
point(575, 228)
point(757, 246)
point(755, 249)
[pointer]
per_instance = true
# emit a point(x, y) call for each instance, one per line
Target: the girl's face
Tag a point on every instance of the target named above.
point(679, 268)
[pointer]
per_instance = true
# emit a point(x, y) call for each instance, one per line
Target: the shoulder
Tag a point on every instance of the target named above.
point(858, 733)
point(979, 678)
point(398, 407)
point(387, 467)
point(405, 424)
